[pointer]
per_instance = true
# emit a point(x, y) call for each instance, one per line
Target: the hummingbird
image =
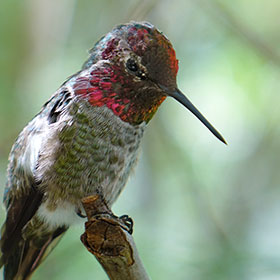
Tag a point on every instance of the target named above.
point(85, 141)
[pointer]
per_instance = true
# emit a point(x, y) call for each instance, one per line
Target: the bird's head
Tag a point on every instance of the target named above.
point(134, 68)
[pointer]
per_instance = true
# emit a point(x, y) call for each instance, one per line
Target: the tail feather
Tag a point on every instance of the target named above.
point(26, 257)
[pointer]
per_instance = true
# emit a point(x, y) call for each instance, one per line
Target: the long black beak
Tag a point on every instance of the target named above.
point(179, 96)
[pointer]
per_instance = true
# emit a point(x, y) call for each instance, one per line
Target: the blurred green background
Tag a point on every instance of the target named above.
point(202, 210)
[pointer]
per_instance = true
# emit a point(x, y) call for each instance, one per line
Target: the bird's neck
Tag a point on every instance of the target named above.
point(109, 87)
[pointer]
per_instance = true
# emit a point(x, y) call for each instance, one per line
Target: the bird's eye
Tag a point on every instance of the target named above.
point(132, 65)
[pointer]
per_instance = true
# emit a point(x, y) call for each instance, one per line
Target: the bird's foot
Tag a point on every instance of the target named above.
point(128, 223)
point(124, 221)
point(96, 208)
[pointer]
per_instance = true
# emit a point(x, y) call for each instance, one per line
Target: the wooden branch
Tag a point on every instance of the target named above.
point(107, 237)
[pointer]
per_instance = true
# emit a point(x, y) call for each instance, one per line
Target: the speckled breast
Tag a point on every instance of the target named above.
point(96, 153)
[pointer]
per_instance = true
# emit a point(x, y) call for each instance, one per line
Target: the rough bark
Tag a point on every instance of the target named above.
point(109, 239)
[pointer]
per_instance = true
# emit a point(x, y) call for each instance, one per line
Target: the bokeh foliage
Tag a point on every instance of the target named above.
point(202, 210)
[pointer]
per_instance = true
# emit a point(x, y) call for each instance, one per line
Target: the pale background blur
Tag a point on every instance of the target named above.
point(202, 210)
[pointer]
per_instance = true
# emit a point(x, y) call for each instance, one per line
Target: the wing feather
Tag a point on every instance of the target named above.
point(23, 195)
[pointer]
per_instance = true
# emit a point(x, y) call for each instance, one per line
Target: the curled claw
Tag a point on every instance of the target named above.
point(128, 222)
